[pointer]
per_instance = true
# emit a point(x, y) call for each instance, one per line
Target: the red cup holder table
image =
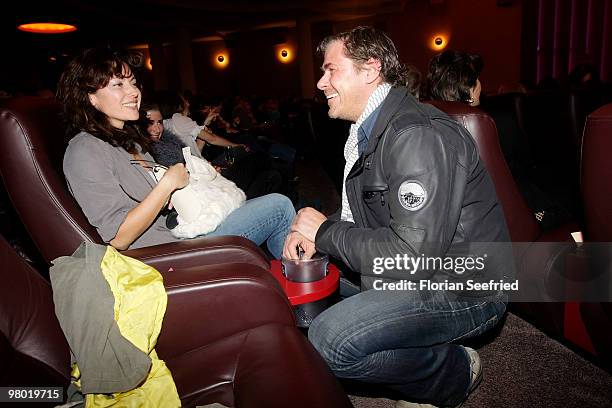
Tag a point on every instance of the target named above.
point(300, 293)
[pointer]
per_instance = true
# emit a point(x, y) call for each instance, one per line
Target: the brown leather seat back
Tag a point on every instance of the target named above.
point(582, 102)
point(32, 144)
point(596, 173)
point(521, 222)
point(33, 349)
point(596, 191)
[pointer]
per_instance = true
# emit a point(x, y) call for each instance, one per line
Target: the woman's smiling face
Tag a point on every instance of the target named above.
point(155, 128)
point(119, 100)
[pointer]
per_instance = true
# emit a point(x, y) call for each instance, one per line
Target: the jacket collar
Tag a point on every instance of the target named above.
point(388, 108)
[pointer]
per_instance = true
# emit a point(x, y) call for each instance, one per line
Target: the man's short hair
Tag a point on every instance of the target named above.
point(363, 43)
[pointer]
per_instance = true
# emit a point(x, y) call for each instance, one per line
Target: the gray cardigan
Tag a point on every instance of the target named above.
point(107, 185)
point(84, 305)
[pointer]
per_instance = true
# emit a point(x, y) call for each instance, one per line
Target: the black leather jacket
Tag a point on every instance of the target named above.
point(418, 189)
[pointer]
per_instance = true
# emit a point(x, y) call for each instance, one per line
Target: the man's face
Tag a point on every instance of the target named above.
point(346, 88)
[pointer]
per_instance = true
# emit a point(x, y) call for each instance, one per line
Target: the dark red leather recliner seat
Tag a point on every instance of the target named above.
point(535, 262)
point(596, 189)
point(227, 337)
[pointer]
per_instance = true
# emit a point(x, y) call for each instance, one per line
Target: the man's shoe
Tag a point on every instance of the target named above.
point(476, 370)
point(406, 404)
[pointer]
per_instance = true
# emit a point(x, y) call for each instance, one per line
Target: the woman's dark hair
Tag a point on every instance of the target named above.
point(363, 43)
point(142, 112)
point(143, 121)
point(451, 76)
point(84, 75)
point(170, 102)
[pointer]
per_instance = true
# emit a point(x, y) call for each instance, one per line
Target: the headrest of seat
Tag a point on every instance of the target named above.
point(478, 123)
point(32, 148)
point(603, 113)
point(39, 119)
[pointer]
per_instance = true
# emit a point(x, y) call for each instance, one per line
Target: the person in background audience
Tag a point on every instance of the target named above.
point(208, 113)
point(175, 110)
point(108, 165)
point(242, 114)
point(166, 147)
point(454, 76)
point(247, 172)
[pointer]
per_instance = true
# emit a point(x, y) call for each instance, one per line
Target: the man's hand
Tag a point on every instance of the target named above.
point(294, 241)
point(307, 222)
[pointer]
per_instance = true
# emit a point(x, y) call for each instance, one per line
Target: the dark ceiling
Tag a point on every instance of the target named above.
point(140, 21)
point(125, 23)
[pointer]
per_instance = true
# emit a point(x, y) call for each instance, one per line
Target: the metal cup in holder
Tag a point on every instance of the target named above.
point(305, 270)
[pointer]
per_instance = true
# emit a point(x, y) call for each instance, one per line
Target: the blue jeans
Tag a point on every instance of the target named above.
point(261, 219)
point(397, 339)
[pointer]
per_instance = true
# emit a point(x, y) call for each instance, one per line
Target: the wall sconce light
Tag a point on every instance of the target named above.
point(47, 28)
point(439, 42)
point(148, 64)
point(221, 60)
point(285, 54)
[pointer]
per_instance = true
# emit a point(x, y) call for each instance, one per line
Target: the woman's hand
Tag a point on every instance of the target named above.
point(176, 177)
point(210, 118)
point(140, 218)
point(212, 115)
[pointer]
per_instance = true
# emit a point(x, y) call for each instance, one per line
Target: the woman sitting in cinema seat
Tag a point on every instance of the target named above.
point(108, 166)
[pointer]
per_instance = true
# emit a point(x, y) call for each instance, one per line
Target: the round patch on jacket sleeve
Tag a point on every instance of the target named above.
point(412, 195)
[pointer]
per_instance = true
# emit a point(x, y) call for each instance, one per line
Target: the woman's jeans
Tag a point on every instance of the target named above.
point(397, 339)
point(261, 219)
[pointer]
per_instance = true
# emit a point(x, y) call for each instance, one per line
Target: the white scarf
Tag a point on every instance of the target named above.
point(351, 150)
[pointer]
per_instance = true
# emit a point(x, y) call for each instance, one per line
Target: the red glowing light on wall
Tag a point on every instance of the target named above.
point(438, 42)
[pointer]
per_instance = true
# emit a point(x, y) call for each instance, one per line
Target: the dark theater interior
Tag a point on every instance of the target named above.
point(247, 80)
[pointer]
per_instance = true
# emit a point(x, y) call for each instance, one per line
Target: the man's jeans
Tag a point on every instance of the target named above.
point(261, 219)
point(397, 339)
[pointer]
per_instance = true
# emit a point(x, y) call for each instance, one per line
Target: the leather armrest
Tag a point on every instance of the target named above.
point(209, 303)
point(201, 251)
